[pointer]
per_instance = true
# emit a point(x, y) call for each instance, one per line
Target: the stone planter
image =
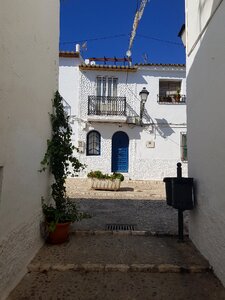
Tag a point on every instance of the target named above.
point(105, 184)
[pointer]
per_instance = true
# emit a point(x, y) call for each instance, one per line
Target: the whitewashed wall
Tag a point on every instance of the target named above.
point(28, 79)
point(206, 143)
point(69, 81)
point(169, 121)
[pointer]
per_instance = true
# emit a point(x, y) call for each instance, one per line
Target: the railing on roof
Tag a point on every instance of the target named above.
point(106, 106)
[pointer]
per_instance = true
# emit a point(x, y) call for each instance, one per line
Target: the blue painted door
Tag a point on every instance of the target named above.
point(120, 152)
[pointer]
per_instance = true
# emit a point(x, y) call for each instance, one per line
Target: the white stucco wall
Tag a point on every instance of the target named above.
point(69, 82)
point(206, 106)
point(29, 33)
point(166, 121)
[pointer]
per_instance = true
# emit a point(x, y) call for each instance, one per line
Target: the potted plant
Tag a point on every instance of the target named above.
point(60, 211)
point(102, 181)
point(178, 96)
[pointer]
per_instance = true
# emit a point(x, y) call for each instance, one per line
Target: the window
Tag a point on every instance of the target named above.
point(169, 91)
point(93, 143)
point(107, 86)
point(183, 146)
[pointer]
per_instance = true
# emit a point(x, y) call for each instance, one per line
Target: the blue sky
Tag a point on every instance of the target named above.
point(106, 26)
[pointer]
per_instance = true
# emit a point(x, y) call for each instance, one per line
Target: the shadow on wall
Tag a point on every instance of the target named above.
point(130, 111)
point(107, 131)
point(202, 8)
point(163, 128)
point(133, 133)
point(147, 117)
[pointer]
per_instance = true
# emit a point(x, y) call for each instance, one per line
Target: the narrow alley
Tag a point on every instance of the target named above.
point(144, 262)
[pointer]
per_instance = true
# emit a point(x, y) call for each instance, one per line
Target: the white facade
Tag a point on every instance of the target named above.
point(205, 37)
point(28, 80)
point(155, 147)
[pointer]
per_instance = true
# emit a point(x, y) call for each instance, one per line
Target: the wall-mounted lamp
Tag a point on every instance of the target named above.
point(144, 96)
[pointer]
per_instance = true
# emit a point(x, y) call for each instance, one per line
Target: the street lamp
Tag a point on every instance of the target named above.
point(143, 95)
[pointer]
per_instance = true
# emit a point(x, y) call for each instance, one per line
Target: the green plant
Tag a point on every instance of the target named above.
point(98, 174)
point(61, 162)
point(68, 213)
point(178, 96)
point(118, 176)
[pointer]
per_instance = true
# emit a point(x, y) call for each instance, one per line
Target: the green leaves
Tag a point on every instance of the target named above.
point(98, 174)
point(59, 158)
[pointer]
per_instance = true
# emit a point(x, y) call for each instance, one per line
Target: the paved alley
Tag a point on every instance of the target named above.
point(144, 263)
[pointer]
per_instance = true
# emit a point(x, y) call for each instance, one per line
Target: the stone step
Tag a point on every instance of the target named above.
point(120, 253)
point(111, 267)
point(100, 267)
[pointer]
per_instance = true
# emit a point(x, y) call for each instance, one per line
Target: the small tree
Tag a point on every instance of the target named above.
point(61, 162)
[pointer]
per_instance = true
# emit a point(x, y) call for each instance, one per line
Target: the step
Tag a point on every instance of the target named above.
point(121, 253)
point(119, 267)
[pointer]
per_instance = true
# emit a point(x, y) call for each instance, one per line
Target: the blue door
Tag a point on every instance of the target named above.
point(120, 149)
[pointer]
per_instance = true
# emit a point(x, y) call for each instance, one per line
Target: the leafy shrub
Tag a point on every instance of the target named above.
point(99, 175)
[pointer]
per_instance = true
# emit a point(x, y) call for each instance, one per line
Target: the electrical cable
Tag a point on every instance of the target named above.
point(96, 39)
point(123, 35)
point(160, 40)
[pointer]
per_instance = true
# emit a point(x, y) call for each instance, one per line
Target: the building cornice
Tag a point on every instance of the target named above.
point(160, 65)
point(108, 68)
point(70, 54)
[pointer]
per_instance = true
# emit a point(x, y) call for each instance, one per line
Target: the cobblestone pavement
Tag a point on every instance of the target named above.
point(144, 264)
point(141, 203)
point(149, 215)
point(130, 189)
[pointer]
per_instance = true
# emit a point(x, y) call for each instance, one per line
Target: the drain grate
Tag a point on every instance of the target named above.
point(120, 227)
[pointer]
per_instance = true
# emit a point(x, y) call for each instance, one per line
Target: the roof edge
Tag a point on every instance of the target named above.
point(160, 65)
point(69, 54)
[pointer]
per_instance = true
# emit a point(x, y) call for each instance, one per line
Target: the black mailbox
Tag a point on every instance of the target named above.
point(168, 182)
point(180, 195)
point(179, 192)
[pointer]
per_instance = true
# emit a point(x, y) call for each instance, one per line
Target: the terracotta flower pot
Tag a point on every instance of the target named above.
point(60, 234)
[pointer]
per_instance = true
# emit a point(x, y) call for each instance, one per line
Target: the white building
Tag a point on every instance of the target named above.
point(29, 33)
point(105, 112)
point(205, 50)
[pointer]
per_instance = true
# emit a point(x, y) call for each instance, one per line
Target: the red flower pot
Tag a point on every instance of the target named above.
point(60, 234)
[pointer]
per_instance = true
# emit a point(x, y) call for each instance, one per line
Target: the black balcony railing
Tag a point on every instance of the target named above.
point(106, 106)
point(172, 99)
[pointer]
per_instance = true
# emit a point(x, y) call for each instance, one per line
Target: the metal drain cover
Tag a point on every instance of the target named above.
point(120, 227)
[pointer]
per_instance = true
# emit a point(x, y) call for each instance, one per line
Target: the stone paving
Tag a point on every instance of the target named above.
point(141, 203)
point(130, 189)
point(147, 263)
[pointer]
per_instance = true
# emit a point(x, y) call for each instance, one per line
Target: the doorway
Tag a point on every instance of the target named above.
point(120, 152)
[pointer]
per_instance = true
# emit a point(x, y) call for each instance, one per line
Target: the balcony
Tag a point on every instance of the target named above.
point(172, 99)
point(106, 106)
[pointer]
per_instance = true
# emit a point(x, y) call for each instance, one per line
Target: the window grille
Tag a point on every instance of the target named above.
point(93, 143)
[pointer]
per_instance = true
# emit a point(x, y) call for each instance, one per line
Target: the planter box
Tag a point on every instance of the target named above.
point(105, 184)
